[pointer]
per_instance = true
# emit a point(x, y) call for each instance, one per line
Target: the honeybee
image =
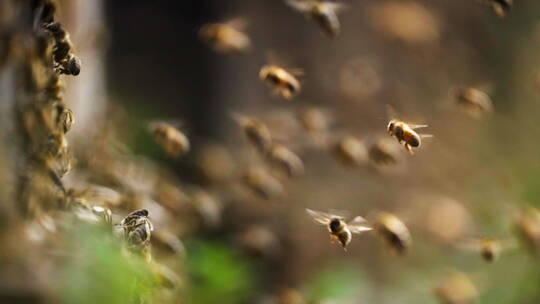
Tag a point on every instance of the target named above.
point(286, 160)
point(256, 132)
point(284, 82)
point(474, 101)
point(263, 183)
point(173, 142)
point(65, 118)
point(384, 151)
point(137, 230)
point(340, 230)
point(528, 229)
point(226, 37)
point(350, 151)
point(500, 7)
point(393, 231)
point(323, 12)
point(456, 288)
point(65, 61)
point(405, 134)
point(490, 249)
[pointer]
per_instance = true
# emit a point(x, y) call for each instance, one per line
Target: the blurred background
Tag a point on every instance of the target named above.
point(230, 227)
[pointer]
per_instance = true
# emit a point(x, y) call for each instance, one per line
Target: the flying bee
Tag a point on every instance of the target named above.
point(171, 140)
point(476, 102)
point(350, 151)
point(384, 151)
point(137, 230)
point(456, 288)
point(490, 249)
point(528, 229)
point(256, 132)
point(65, 61)
point(500, 7)
point(284, 82)
point(405, 134)
point(323, 12)
point(286, 160)
point(340, 230)
point(393, 232)
point(263, 183)
point(226, 37)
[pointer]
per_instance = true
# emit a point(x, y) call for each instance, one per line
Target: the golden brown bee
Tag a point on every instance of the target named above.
point(457, 288)
point(500, 7)
point(173, 142)
point(65, 119)
point(384, 151)
point(323, 12)
point(476, 102)
point(393, 232)
point(282, 81)
point(350, 151)
point(66, 62)
point(216, 163)
point(340, 230)
point(226, 37)
point(286, 160)
point(528, 229)
point(137, 230)
point(490, 249)
point(263, 183)
point(405, 134)
point(256, 132)
point(313, 120)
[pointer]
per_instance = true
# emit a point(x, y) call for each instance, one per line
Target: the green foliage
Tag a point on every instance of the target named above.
point(336, 283)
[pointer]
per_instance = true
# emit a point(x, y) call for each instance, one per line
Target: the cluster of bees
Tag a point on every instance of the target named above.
point(49, 152)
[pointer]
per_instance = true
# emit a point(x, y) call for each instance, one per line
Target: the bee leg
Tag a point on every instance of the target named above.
point(409, 148)
point(286, 94)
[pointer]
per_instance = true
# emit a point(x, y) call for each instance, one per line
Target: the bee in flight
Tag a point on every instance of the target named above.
point(323, 12)
point(284, 82)
point(490, 249)
point(393, 232)
point(500, 7)
point(226, 37)
point(340, 230)
point(405, 134)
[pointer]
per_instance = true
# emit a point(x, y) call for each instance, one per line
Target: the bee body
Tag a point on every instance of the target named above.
point(325, 15)
point(283, 82)
point(393, 232)
point(339, 230)
point(405, 134)
point(173, 142)
point(225, 37)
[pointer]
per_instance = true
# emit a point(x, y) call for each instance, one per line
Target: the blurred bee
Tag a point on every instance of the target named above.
point(313, 120)
point(208, 207)
point(286, 160)
point(340, 230)
point(256, 132)
point(490, 249)
point(173, 142)
point(384, 151)
point(263, 183)
point(137, 230)
point(66, 62)
point(474, 101)
point(260, 241)
point(528, 229)
point(457, 288)
point(65, 118)
point(226, 37)
point(405, 134)
point(393, 231)
point(216, 163)
point(500, 7)
point(284, 82)
point(323, 12)
point(350, 151)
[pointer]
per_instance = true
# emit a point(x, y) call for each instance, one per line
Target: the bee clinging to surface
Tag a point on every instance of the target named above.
point(173, 142)
point(405, 134)
point(393, 232)
point(137, 230)
point(65, 61)
point(323, 12)
point(340, 230)
point(226, 37)
point(284, 82)
point(500, 7)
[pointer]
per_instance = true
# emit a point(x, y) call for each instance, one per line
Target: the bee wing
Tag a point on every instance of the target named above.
point(337, 7)
point(358, 225)
point(469, 245)
point(426, 135)
point(300, 5)
point(418, 126)
point(321, 217)
point(390, 112)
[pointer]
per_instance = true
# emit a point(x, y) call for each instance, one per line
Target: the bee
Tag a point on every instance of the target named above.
point(528, 229)
point(137, 230)
point(226, 37)
point(65, 118)
point(65, 61)
point(490, 249)
point(323, 12)
point(340, 230)
point(313, 120)
point(350, 151)
point(405, 134)
point(209, 208)
point(500, 7)
point(173, 142)
point(256, 132)
point(263, 183)
point(456, 288)
point(384, 151)
point(474, 101)
point(393, 232)
point(284, 82)
point(216, 163)
point(286, 160)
